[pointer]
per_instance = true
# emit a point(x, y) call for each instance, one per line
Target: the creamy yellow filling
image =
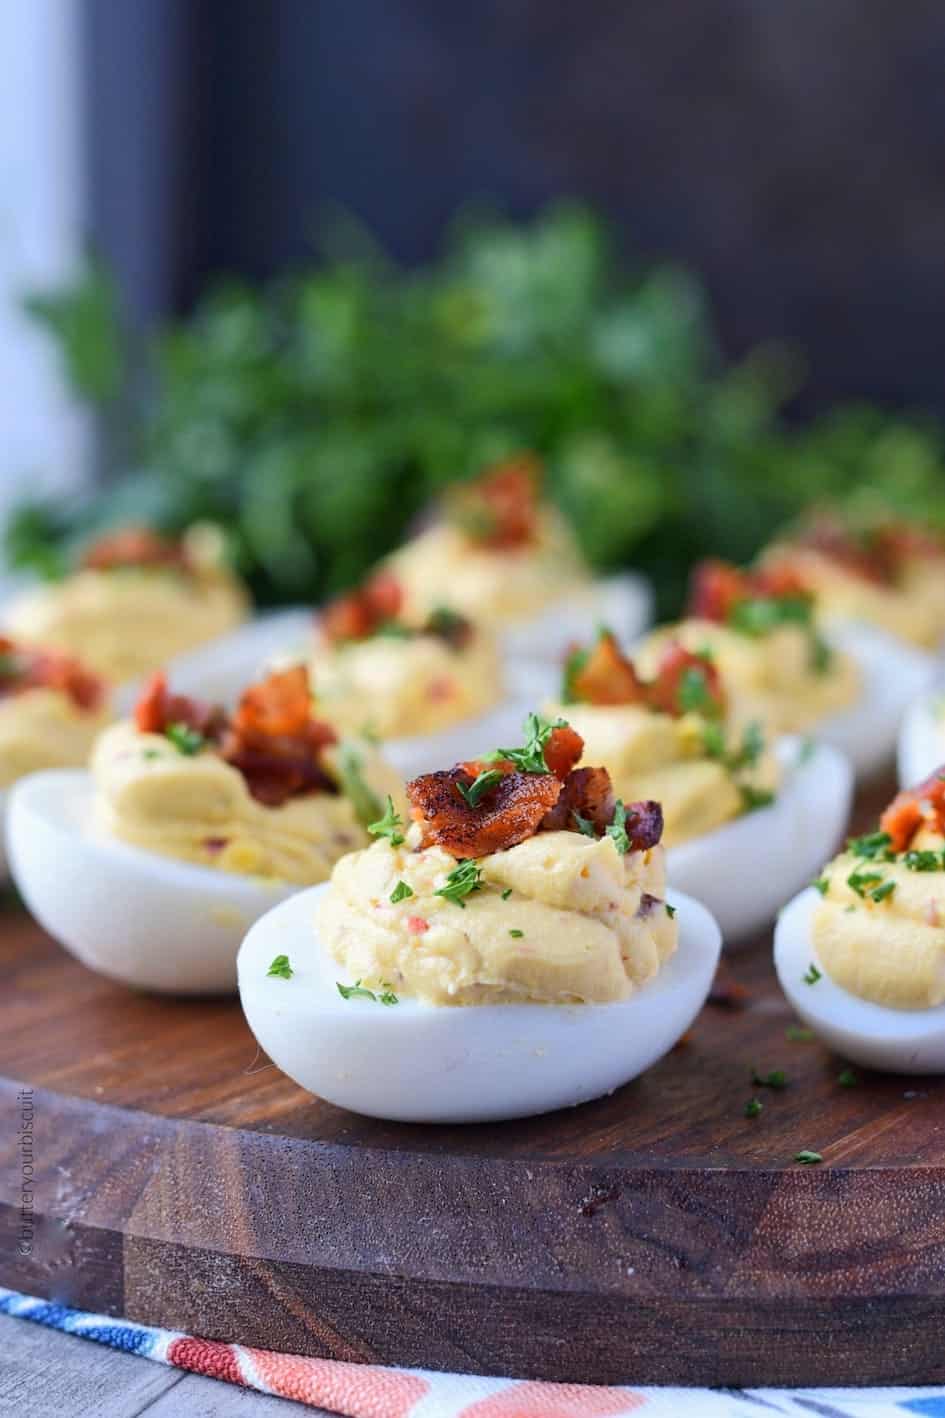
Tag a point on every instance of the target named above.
point(44, 728)
point(558, 918)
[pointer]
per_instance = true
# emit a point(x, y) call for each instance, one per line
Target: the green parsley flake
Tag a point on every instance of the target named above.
point(863, 881)
point(583, 824)
point(483, 784)
point(873, 846)
point(390, 825)
point(465, 877)
point(847, 1078)
point(351, 782)
point(186, 740)
point(753, 1107)
point(760, 615)
point(822, 884)
point(530, 758)
point(754, 798)
point(798, 1034)
point(670, 910)
point(507, 893)
point(400, 892)
point(517, 934)
point(924, 861)
point(151, 754)
point(618, 829)
point(777, 1079)
point(359, 991)
point(573, 666)
point(808, 1158)
point(812, 975)
point(883, 893)
point(281, 968)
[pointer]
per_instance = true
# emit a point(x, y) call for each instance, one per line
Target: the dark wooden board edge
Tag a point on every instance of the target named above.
point(486, 1265)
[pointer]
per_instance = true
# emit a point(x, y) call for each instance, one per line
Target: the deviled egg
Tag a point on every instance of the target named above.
point(51, 710)
point(861, 953)
point(511, 951)
point(190, 825)
point(745, 824)
point(849, 685)
point(507, 560)
point(136, 600)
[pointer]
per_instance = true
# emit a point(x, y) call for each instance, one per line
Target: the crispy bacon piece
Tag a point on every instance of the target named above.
point(665, 691)
point(359, 613)
point(24, 667)
point(715, 587)
point(904, 816)
point(157, 708)
point(563, 750)
point(508, 814)
point(586, 792)
point(275, 741)
point(607, 676)
point(895, 543)
point(500, 509)
point(838, 544)
point(644, 825)
point(135, 546)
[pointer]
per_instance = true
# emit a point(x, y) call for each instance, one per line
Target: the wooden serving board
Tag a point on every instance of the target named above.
point(656, 1236)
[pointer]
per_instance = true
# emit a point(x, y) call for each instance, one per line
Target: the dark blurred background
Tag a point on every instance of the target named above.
point(793, 153)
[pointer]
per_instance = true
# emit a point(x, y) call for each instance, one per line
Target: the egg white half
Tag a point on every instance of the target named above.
point(414, 1062)
point(138, 917)
point(921, 747)
point(895, 1040)
point(746, 870)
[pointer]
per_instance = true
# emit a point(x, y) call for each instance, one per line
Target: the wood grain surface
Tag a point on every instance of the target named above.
point(657, 1235)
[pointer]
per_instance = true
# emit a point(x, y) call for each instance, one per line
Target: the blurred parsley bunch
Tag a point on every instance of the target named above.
point(315, 417)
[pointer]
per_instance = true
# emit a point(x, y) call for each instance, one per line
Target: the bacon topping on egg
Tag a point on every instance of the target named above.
point(131, 547)
point(921, 806)
point(684, 680)
point(24, 667)
point(500, 508)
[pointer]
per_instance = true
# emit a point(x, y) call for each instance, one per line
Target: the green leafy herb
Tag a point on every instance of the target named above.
point(808, 1158)
point(882, 893)
point(531, 757)
point(390, 825)
point(798, 1034)
point(821, 655)
point(754, 798)
point(924, 860)
point(481, 785)
point(400, 892)
point(186, 740)
point(465, 878)
point(863, 881)
point(873, 846)
point(847, 1078)
point(759, 616)
point(822, 884)
point(517, 934)
point(776, 1080)
point(750, 749)
point(812, 975)
point(584, 824)
point(387, 996)
point(618, 828)
point(281, 968)
point(713, 740)
point(670, 910)
point(151, 754)
point(694, 696)
point(753, 1108)
point(351, 780)
point(573, 666)
point(359, 991)
point(507, 893)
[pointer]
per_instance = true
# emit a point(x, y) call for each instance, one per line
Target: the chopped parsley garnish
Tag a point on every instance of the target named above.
point(517, 934)
point(776, 1079)
point(694, 695)
point(873, 846)
point(400, 892)
point(390, 825)
point(670, 910)
point(507, 893)
point(618, 829)
point(759, 615)
point(481, 785)
point(812, 975)
point(754, 798)
point(713, 740)
point(394, 630)
point(924, 861)
point(798, 1034)
point(463, 879)
point(359, 991)
point(863, 881)
point(750, 749)
point(366, 806)
point(583, 824)
point(573, 666)
point(821, 655)
point(281, 968)
point(151, 753)
point(808, 1158)
point(882, 893)
point(186, 740)
point(753, 1107)
point(531, 757)
point(847, 1078)
point(822, 884)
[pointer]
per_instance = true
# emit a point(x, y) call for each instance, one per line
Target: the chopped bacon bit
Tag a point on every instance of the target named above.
point(677, 662)
point(509, 814)
point(904, 816)
point(607, 676)
point(837, 543)
point(275, 741)
point(500, 509)
point(899, 542)
point(416, 925)
point(587, 792)
point(644, 825)
point(562, 750)
point(136, 546)
point(157, 708)
point(360, 613)
point(24, 667)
